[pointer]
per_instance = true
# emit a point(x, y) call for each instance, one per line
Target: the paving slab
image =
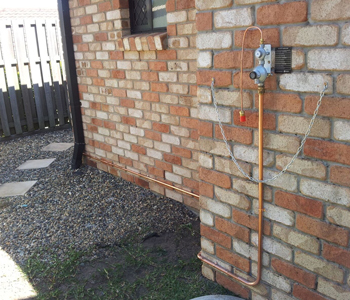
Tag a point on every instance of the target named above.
point(15, 188)
point(36, 164)
point(217, 297)
point(57, 147)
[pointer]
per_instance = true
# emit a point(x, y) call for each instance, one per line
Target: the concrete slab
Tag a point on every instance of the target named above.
point(15, 188)
point(217, 297)
point(57, 147)
point(36, 164)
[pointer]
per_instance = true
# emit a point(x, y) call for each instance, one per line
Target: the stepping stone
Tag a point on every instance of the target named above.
point(15, 188)
point(36, 164)
point(57, 147)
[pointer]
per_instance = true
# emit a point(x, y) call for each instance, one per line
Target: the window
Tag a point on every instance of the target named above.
point(147, 15)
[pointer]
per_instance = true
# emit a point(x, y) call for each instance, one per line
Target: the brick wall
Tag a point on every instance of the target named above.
point(307, 217)
point(151, 111)
point(139, 107)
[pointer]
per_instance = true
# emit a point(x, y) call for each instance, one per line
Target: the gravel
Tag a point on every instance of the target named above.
point(80, 209)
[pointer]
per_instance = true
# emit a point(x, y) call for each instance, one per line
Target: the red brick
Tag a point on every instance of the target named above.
point(179, 111)
point(153, 135)
point(337, 255)
point(232, 60)
point(204, 21)
point(189, 123)
point(252, 119)
point(233, 286)
point(106, 107)
point(300, 204)
point(149, 76)
point(98, 81)
point(240, 135)
point(158, 65)
point(82, 88)
point(151, 43)
point(159, 87)
point(164, 166)
point(233, 259)
point(270, 83)
point(281, 102)
point(192, 202)
point(125, 161)
point(77, 39)
point(138, 149)
point(126, 176)
point(92, 128)
point(166, 54)
point(331, 106)
point(119, 92)
point(327, 151)
point(102, 36)
point(252, 38)
point(109, 125)
point(96, 64)
point(127, 103)
point(153, 97)
point(132, 44)
point(340, 175)
point(274, 14)
point(172, 159)
point(142, 182)
point(192, 184)
point(185, 4)
point(155, 171)
point(206, 189)
point(97, 122)
point(91, 73)
point(297, 274)
point(206, 129)
point(170, 6)
point(120, 4)
point(216, 236)
point(193, 90)
point(84, 2)
point(119, 55)
point(160, 127)
point(118, 74)
point(215, 178)
point(104, 6)
point(95, 105)
point(171, 30)
point(322, 230)
point(83, 47)
point(232, 229)
point(129, 120)
point(303, 293)
point(181, 152)
point(249, 221)
point(105, 147)
point(86, 20)
point(222, 78)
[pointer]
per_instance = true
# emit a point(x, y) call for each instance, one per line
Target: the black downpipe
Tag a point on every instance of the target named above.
point(72, 82)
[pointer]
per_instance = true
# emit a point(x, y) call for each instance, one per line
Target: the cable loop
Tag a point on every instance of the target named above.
point(295, 155)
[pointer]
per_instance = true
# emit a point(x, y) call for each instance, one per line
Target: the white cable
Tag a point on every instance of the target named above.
point(293, 158)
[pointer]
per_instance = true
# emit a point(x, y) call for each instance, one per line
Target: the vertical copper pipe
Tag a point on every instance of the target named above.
point(261, 90)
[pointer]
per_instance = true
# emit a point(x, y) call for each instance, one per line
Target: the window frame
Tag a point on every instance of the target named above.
point(148, 28)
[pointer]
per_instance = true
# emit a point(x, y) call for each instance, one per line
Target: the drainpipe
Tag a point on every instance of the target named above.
point(72, 82)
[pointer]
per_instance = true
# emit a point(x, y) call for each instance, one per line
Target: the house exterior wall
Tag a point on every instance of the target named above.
point(139, 107)
point(152, 111)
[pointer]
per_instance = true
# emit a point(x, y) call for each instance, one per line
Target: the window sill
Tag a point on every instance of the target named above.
point(144, 42)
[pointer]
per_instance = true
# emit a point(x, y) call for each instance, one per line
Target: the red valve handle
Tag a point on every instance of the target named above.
point(242, 117)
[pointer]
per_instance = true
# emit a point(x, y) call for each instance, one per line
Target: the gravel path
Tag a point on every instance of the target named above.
point(81, 208)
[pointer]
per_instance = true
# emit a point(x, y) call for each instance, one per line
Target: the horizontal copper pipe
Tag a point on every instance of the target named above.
point(143, 176)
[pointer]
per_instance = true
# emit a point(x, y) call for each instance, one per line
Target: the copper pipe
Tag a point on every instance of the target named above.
point(112, 164)
point(261, 205)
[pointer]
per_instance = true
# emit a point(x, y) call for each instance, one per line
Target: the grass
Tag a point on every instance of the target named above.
point(132, 272)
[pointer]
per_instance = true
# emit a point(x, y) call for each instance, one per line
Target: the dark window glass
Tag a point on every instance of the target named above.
point(147, 15)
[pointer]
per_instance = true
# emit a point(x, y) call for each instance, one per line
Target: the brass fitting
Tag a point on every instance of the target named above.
point(262, 41)
point(261, 89)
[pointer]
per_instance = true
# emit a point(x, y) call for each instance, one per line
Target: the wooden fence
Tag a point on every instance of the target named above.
point(33, 92)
